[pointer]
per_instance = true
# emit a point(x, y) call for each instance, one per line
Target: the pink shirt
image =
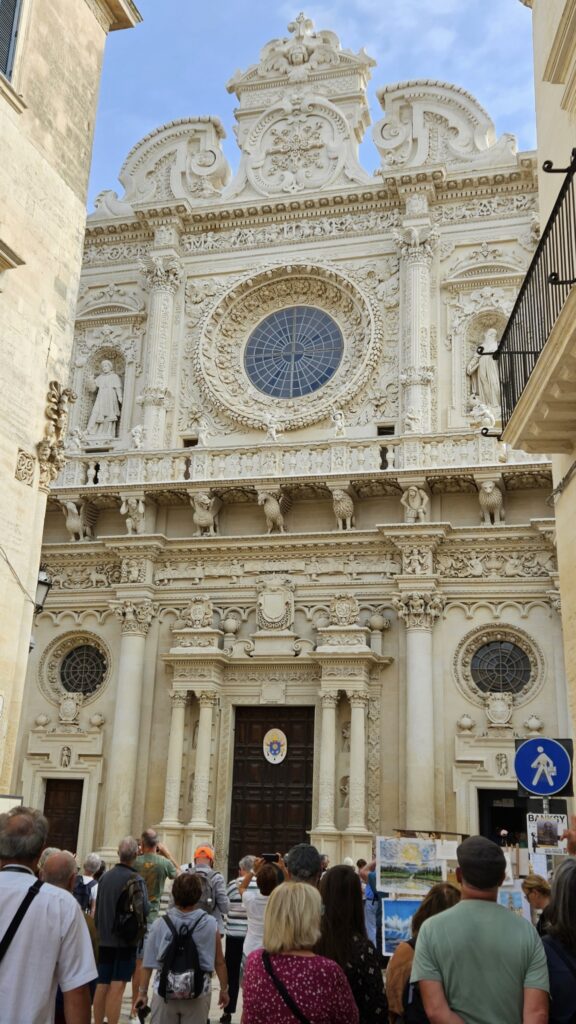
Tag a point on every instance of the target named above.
point(317, 985)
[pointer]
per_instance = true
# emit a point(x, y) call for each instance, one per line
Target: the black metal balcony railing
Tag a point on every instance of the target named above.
point(544, 291)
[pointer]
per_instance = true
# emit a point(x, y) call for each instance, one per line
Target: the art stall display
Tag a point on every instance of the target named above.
point(512, 898)
point(407, 866)
point(397, 923)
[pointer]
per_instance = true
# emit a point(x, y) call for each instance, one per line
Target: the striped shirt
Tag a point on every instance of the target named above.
point(236, 921)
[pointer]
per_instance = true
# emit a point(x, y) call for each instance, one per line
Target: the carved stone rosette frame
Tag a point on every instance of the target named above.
point(49, 669)
point(476, 638)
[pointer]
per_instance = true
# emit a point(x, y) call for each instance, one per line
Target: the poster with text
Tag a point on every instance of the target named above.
point(397, 923)
point(544, 831)
point(407, 866)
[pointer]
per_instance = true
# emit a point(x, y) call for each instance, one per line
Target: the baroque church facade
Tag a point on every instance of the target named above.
point(300, 586)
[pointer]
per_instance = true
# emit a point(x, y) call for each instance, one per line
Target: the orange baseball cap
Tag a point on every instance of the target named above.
point(203, 853)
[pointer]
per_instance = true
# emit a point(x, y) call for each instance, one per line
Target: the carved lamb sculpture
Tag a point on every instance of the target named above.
point(491, 502)
point(79, 520)
point(205, 513)
point(343, 509)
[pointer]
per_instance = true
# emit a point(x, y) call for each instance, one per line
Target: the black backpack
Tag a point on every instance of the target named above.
point(129, 917)
point(181, 976)
point(82, 892)
point(412, 1000)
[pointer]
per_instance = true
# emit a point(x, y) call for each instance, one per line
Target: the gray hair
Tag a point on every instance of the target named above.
point(92, 863)
point(562, 907)
point(247, 862)
point(47, 852)
point(127, 850)
point(59, 868)
point(303, 863)
point(23, 833)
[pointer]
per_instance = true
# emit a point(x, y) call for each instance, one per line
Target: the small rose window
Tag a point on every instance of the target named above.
point(500, 667)
point(83, 670)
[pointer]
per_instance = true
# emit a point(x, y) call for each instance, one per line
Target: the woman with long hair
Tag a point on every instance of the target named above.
point(560, 944)
point(344, 940)
point(287, 981)
point(440, 897)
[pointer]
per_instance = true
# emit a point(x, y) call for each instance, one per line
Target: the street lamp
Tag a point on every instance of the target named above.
point(43, 588)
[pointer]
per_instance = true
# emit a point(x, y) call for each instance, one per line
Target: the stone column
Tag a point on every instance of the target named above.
point(357, 780)
point(419, 611)
point(174, 764)
point(136, 618)
point(207, 702)
point(415, 242)
point(327, 776)
point(163, 275)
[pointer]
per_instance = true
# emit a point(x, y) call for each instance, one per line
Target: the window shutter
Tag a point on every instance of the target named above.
point(9, 11)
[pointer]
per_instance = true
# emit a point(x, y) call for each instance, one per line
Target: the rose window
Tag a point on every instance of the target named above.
point(83, 670)
point(500, 667)
point(293, 352)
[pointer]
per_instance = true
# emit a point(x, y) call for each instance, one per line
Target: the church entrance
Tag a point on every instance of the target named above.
point(62, 806)
point(271, 803)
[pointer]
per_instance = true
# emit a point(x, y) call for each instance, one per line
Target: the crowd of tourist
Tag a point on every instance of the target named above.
point(297, 937)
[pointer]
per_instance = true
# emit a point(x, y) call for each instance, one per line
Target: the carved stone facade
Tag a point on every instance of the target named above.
point(273, 534)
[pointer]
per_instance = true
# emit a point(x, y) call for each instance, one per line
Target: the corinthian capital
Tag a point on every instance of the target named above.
point(207, 699)
point(178, 699)
point(329, 700)
point(416, 244)
point(419, 610)
point(162, 273)
point(358, 698)
point(135, 616)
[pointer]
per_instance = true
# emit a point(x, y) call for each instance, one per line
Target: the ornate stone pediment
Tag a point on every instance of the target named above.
point(429, 122)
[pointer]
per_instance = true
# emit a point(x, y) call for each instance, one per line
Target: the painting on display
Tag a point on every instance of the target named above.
point(408, 866)
point(512, 898)
point(397, 923)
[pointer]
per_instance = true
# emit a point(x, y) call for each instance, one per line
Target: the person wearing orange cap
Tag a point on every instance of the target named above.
point(214, 897)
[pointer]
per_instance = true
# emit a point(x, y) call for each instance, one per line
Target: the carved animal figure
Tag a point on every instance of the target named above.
point(343, 509)
point(491, 502)
point(275, 505)
point(79, 520)
point(205, 513)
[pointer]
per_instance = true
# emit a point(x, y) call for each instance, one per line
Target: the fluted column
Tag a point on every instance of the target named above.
point(415, 243)
point(136, 618)
point(419, 610)
point(163, 275)
point(357, 778)
point(327, 779)
point(207, 703)
point(174, 763)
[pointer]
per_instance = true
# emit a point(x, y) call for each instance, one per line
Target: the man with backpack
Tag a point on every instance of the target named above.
point(86, 886)
point(121, 911)
point(214, 899)
point(155, 864)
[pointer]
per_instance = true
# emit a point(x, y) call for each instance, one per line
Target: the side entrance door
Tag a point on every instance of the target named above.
point(62, 806)
point(271, 803)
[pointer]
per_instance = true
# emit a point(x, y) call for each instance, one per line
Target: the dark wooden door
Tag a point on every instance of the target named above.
point(62, 805)
point(271, 803)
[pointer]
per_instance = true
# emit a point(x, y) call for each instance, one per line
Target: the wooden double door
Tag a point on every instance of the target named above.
point(271, 803)
point(62, 807)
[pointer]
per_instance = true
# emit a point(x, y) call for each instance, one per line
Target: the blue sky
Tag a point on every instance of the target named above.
point(177, 62)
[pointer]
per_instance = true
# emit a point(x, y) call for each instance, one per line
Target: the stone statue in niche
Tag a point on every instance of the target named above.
point(339, 422)
point(483, 372)
point(275, 607)
point(415, 503)
point(65, 757)
point(134, 510)
point(344, 790)
point(491, 503)
point(137, 434)
point(205, 513)
point(343, 509)
point(80, 519)
point(345, 732)
point(105, 415)
point(480, 414)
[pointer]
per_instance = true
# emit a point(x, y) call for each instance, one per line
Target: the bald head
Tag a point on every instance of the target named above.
point(60, 869)
point(23, 834)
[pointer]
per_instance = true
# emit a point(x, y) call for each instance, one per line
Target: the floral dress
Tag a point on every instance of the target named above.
point(317, 985)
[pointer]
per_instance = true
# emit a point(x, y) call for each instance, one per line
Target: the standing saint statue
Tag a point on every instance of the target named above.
point(483, 372)
point(108, 403)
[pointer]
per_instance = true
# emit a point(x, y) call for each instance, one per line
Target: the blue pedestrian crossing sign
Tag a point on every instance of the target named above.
point(543, 766)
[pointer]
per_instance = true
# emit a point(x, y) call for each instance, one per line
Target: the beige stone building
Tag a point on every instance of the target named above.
point(538, 361)
point(50, 64)
point(296, 589)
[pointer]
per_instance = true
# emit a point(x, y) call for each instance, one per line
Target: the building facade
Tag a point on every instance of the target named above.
point(50, 64)
point(296, 589)
point(541, 383)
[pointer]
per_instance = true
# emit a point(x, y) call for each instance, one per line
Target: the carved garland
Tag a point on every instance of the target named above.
point(218, 354)
point(462, 661)
point(49, 680)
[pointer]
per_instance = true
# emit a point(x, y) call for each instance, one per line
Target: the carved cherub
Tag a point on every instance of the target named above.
point(339, 422)
point(205, 513)
point(415, 503)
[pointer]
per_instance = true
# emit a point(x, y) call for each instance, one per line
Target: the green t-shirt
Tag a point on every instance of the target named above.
point(485, 956)
point(154, 869)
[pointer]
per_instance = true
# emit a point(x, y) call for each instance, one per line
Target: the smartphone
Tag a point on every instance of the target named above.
point(143, 1012)
point(270, 858)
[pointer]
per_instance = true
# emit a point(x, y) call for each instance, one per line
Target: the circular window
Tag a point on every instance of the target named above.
point(293, 352)
point(83, 670)
point(500, 667)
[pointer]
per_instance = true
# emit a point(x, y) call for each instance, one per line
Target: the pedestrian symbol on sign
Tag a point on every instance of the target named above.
point(545, 766)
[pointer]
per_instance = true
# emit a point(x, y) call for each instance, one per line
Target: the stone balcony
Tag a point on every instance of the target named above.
point(383, 456)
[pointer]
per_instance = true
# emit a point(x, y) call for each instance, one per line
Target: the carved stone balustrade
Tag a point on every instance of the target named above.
point(323, 458)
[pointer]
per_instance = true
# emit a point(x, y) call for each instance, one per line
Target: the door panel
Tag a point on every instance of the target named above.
point(62, 806)
point(271, 803)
